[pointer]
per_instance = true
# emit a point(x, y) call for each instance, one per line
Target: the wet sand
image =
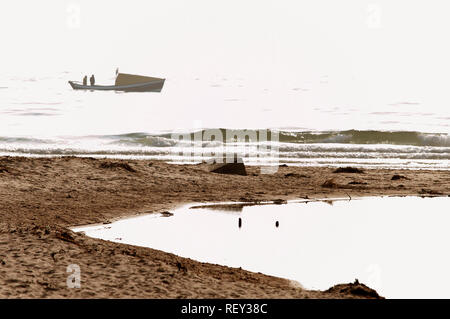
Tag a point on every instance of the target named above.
point(42, 197)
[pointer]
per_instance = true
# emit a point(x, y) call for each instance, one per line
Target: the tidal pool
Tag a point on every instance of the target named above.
point(396, 245)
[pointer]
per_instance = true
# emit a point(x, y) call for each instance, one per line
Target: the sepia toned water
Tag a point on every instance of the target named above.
point(396, 245)
point(40, 115)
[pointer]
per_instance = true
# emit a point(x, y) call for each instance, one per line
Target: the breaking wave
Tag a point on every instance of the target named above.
point(306, 137)
point(291, 146)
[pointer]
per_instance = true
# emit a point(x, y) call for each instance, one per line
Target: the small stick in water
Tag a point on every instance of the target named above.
point(277, 224)
point(240, 222)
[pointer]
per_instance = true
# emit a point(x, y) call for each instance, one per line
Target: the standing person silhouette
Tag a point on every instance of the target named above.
point(85, 80)
point(92, 80)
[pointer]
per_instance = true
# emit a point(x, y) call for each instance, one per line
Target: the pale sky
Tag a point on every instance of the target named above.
point(366, 39)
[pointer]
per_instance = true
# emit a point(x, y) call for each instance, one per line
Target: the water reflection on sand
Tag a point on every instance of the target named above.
point(390, 243)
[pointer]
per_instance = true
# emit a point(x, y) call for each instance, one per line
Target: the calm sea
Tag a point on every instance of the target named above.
point(318, 122)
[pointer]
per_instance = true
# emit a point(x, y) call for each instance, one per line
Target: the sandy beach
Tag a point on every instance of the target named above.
point(41, 198)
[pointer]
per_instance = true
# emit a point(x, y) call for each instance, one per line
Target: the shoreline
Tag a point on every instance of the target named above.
point(43, 197)
point(200, 205)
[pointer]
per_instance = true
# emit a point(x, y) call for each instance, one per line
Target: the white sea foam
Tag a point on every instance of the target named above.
point(291, 150)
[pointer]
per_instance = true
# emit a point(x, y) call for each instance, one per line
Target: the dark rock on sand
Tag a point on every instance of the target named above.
point(237, 167)
point(348, 170)
point(166, 214)
point(397, 177)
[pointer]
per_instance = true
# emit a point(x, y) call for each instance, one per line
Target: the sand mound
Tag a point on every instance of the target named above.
point(348, 170)
point(296, 175)
point(122, 165)
point(355, 289)
point(430, 192)
point(357, 183)
point(330, 183)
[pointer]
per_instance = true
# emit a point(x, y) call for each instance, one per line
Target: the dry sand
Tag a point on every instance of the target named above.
point(42, 197)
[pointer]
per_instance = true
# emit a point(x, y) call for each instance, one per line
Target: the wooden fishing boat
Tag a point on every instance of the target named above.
point(125, 82)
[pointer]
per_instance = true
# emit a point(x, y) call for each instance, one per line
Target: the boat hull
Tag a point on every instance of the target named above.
point(152, 86)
